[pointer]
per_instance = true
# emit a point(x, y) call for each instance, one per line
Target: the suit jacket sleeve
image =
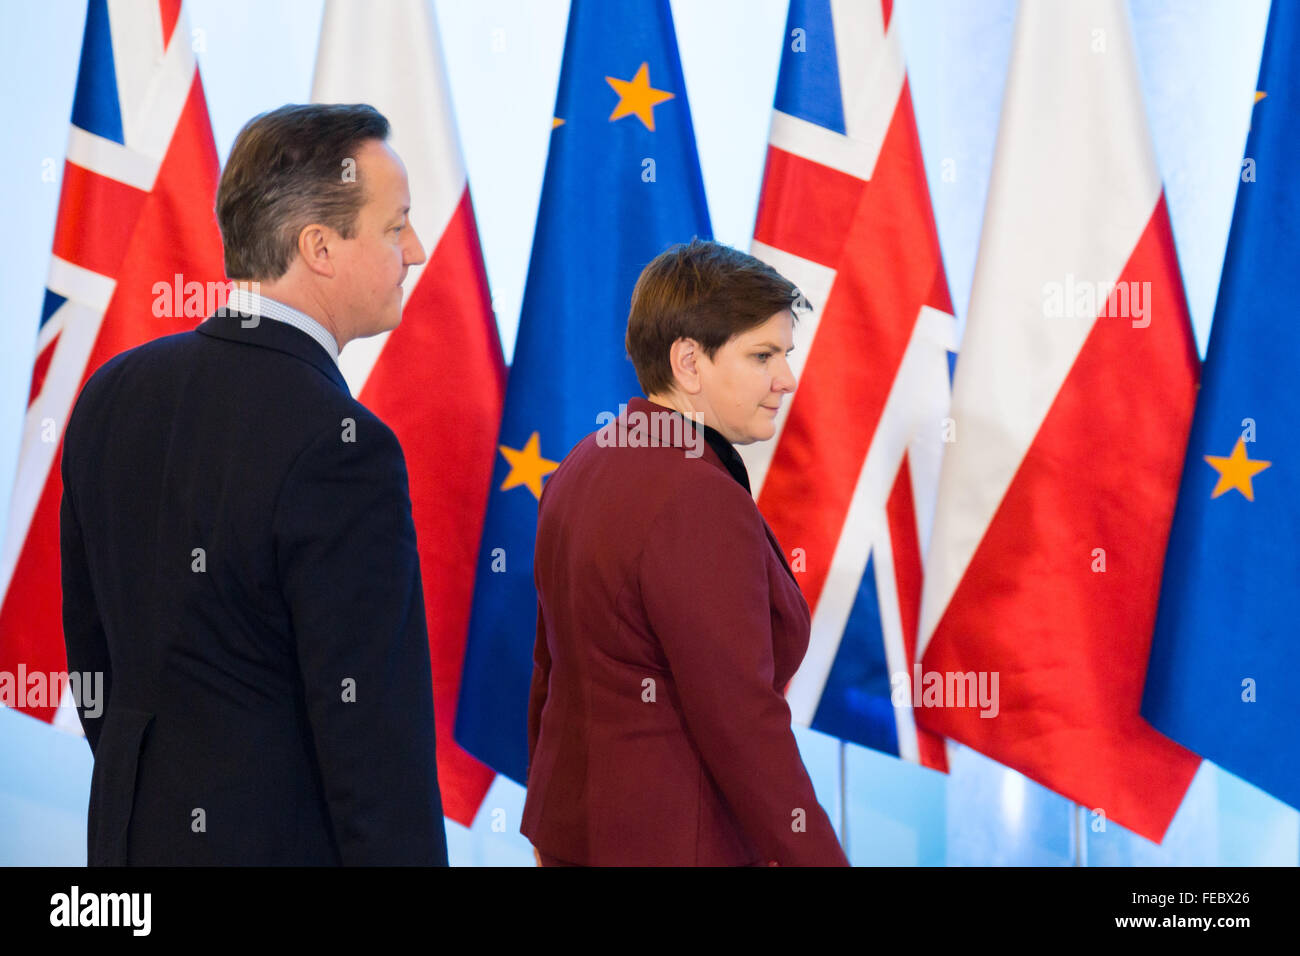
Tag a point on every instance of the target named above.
point(705, 589)
point(540, 686)
point(83, 629)
point(350, 573)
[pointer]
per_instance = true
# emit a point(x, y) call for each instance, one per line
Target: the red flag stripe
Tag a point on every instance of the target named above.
point(901, 512)
point(40, 367)
point(171, 12)
point(96, 218)
point(810, 215)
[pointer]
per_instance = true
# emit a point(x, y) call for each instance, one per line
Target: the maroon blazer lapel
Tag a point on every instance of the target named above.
point(711, 456)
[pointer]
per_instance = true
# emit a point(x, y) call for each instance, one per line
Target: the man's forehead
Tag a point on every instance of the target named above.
point(385, 174)
point(381, 160)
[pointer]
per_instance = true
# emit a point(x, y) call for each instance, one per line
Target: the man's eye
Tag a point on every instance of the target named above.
point(764, 356)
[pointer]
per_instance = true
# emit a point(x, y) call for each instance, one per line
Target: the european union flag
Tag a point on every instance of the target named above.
point(1224, 675)
point(622, 184)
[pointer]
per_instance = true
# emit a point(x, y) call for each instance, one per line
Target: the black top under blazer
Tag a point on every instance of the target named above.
point(239, 560)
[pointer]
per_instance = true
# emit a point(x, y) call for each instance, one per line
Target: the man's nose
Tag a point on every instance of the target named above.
point(414, 250)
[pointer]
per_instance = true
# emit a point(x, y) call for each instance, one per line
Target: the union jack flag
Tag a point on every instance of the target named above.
point(848, 483)
point(136, 210)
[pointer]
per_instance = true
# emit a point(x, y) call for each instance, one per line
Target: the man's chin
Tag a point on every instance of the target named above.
point(386, 326)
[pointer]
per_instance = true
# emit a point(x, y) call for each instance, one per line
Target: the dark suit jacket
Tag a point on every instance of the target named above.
point(269, 699)
point(668, 626)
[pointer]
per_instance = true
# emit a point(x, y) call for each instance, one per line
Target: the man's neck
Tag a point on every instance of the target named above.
point(291, 294)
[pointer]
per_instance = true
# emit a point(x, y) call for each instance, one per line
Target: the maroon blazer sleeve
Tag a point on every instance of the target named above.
point(704, 586)
point(540, 685)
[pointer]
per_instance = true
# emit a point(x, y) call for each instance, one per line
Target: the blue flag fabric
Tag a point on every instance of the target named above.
point(622, 184)
point(1224, 673)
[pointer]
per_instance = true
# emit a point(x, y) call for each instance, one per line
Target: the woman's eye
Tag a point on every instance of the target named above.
point(764, 356)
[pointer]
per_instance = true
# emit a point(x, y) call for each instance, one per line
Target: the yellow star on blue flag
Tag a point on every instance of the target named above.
point(636, 97)
point(527, 466)
point(1235, 471)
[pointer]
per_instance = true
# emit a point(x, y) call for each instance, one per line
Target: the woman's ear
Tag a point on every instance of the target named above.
point(683, 358)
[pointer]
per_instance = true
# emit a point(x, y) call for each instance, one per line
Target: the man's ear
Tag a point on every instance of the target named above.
point(315, 243)
point(683, 359)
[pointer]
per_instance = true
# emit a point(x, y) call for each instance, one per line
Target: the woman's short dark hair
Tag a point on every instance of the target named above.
point(699, 290)
point(289, 168)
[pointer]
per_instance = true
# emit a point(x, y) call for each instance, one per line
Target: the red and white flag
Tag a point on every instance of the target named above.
point(137, 255)
point(1072, 402)
point(849, 482)
point(438, 379)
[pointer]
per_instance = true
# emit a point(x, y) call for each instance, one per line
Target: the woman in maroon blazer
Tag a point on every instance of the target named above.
point(668, 619)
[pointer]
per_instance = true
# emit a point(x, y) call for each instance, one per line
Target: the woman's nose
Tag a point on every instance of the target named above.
point(785, 381)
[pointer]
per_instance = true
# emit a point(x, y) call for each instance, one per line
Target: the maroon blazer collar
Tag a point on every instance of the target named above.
point(645, 406)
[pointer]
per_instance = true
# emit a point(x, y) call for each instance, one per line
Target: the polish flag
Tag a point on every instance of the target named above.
point(438, 379)
point(137, 255)
point(1072, 402)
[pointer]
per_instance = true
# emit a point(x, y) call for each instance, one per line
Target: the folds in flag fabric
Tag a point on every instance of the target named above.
point(1224, 675)
point(622, 183)
point(1071, 407)
point(137, 255)
point(845, 214)
point(438, 379)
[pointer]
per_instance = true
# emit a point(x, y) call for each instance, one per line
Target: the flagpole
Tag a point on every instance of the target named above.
point(1079, 834)
point(844, 801)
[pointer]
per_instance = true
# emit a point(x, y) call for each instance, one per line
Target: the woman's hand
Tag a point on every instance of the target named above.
point(537, 856)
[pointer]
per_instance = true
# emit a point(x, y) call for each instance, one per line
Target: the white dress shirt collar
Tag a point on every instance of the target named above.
point(254, 303)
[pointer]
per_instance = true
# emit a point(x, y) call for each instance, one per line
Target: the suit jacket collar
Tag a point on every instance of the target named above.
point(270, 334)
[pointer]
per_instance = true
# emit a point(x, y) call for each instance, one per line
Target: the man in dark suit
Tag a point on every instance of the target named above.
point(239, 558)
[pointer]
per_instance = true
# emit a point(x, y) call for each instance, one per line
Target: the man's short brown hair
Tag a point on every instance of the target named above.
point(289, 168)
point(699, 290)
